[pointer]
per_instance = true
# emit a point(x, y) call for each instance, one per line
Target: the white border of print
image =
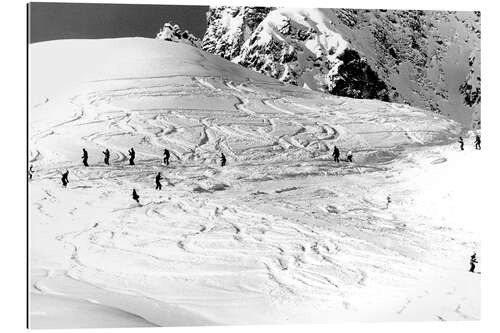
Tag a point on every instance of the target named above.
point(13, 168)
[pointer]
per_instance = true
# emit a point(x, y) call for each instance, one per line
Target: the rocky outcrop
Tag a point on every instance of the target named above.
point(428, 59)
point(229, 27)
point(172, 32)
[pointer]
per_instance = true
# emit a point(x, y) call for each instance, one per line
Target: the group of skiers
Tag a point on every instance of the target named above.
point(166, 161)
point(85, 156)
point(336, 155)
point(131, 152)
point(223, 161)
point(158, 177)
point(477, 142)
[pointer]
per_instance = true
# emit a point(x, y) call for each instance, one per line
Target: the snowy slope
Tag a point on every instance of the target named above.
point(280, 235)
point(420, 58)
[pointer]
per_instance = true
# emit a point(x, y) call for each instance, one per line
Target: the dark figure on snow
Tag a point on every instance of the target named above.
point(85, 157)
point(349, 156)
point(64, 178)
point(166, 158)
point(131, 153)
point(461, 141)
point(30, 172)
point(157, 179)
point(106, 156)
point(222, 159)
point(135, 196)
point(478, 142)
point(336, 154)
point(388, 202)
point(473, 262)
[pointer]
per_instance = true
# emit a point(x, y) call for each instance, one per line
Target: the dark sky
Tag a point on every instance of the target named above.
point(51, 21)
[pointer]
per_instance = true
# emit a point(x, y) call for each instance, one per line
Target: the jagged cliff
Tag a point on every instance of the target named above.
point(429, 59)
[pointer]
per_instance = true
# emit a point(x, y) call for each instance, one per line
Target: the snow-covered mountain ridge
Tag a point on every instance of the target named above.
point(427, 59)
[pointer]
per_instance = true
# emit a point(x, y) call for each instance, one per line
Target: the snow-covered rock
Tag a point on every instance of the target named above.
point(428, 59)
point(229, 27)
point(172, 33)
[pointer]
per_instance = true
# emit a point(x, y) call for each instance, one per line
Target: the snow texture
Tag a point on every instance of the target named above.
point(282, 234)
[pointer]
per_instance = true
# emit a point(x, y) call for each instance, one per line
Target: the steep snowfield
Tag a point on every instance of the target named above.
point(427, 59)
point(280, 235)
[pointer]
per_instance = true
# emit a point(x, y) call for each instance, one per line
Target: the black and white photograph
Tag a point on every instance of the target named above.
point(209, 165)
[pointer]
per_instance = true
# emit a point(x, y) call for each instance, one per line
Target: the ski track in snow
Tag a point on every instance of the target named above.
point(282, 228)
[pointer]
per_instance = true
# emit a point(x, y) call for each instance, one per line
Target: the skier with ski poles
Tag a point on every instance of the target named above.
point(135, 196)
point(157, 179)
point(106, 156)
point(85, 157)
point(64, 178)
point(461, 141)
point(349, 156)
point(336, 154)
point(30, 172)
point(166, 156)
point(131, 153)
point(222, 159)
point(473, 262)
point(478, 142)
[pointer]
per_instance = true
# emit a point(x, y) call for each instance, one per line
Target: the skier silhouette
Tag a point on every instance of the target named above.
point(157, 179)
point(388, 201)
point(222, 159)
point(64, 178)
point(85, 157)
point(131, 152)
point(166, 157)
point(30, 172)
point(106, 156)
point(135, 196)
point(336, 154)
point(473, 262)
point(461, 141)
point(349, 156)
point(478, 142)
